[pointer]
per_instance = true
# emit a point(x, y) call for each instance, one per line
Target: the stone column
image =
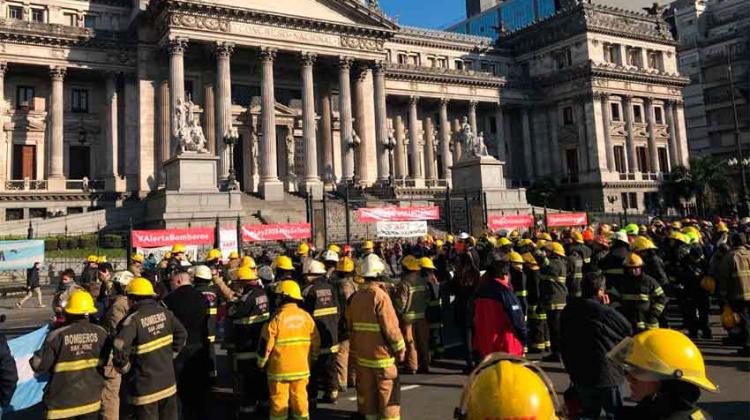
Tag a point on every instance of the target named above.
point(653, 155)
point(583, 146)
point(528, 153)
point(164, 130)
point(473, 117)
point(311, 180)
point(110, 132)
point(399, 152)
point(360, 127)
point(674, 156)
point(209, 116)
point(429, 149)
point(326, 132)
point(6, 146)
point(270, 187)
point(56, 117)
point(176, 49)
point(345, 119)
point(629, 143)
point(556, 155)
point(415, 171)
point(500, 139)
point(223, 104)
point(607, 137)
point(445, 140)
point(681, 133)
point(381, 125)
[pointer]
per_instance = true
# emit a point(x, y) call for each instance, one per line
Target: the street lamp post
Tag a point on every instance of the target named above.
point(612, 199)
point(739, 161)
point(390, 144)
point(230, 139)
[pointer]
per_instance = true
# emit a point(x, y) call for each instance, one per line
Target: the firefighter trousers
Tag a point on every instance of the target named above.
point(288, 396)
point(344, 366)
point(553, 322)
point(164, 409)
point(417, 340)
point(252, 383)
point(111, 394)
point(89, 416)
point(323, 376)
point(378, 393)
point(538, 332)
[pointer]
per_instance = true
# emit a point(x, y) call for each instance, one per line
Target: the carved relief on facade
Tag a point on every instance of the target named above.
point(568, 134)
point(640, 130)
point(617, 128)
point(367, 44)
point(199, 22)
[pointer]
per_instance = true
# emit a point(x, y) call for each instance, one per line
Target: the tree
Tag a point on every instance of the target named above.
point(541, 191)
point(706, 181)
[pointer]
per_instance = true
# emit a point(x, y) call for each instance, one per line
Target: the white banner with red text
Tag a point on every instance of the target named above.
point(521, 221)
point(567, 219)
point(280, 232)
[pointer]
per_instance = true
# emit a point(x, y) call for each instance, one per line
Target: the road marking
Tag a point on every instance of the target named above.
point(403, 388)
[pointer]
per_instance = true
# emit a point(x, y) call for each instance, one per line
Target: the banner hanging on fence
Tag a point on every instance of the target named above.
point(567, 219)
point(227, 242)
point(496, 222)
point(397, 214)
point(402, 229)
point(280, 232)
point(20, 255)
point(169, 237)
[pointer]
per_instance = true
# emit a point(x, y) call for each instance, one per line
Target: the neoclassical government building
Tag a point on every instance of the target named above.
point(324, 92)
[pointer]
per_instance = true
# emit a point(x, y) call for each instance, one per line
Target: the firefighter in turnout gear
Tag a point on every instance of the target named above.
point(579, 247)
point(202, 281)
point(537, 316)
point(411, 299)
point(554, 292)
point(74, 356)
point(518, 281)
point(642, 300)
point(143, 351)
point(612, 264)
point(434, 312)
point(287, 343)
point(343, 281)
point(247, 316)
point(653, 266)
point(377, 342)
point(321, 302)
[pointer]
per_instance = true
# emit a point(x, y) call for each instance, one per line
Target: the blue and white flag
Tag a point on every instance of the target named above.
point(20, 255)
point(30, 387)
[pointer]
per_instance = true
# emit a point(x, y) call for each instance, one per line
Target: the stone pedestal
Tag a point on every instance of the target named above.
point(474, 175)
point(191, 196)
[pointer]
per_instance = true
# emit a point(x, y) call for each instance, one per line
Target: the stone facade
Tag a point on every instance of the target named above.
point(323, 92)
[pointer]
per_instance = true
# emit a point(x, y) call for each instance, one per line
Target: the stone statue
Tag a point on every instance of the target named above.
point(255, 151)
point(471, 145)
point(187, 130)
point(290, 149)
point(355, 141)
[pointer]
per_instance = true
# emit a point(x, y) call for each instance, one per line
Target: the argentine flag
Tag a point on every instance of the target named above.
point(30, 388)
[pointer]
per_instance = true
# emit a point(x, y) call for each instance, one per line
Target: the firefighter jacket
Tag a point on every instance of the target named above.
point(676, 258)
point(143, 351)
point(575, 274)
point(433, 313)
point(584, 251)
point(247, 316)
point(412, 295)
point(654, 266)
point(73, 356)
point(518, 281)
point(734, 275)
point(375, 334)
point(345, 288)
point(553, 293)
point(287, 342)
point(612, 268)
point(321, 302)
point(211, 297)
point(498, 319)
point(642, 301)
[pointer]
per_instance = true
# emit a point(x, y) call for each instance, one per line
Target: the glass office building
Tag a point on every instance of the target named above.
point(513, 14)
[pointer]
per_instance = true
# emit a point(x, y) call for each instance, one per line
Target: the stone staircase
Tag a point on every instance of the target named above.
point(290, 210)
point(89, 222)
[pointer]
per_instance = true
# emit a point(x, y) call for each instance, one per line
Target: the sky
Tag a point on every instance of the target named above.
point(439, 14)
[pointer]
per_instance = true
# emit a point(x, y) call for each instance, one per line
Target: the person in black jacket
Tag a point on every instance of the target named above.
point(8, 371)
point(192, 366)
point(589, 330)
point(32, 285)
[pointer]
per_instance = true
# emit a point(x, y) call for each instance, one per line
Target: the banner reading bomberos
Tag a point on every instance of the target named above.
point(160, 241)
point(401, 229)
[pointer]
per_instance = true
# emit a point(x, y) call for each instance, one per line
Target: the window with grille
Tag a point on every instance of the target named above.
point(79, 100)
point(568, 115)
point(25, 97)
point(637, 113)
point(615, 111)
point(619, 153)
point(658, 115)
point(663, 159)
point(37, 15)
point(642, 156)
point(15, 12)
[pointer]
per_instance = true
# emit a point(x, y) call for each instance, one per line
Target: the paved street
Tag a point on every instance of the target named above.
point(435, 396)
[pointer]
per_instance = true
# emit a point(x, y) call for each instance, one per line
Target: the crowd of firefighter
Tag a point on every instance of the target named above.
point(302, 327)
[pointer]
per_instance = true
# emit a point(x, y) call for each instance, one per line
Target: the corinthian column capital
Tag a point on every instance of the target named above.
point(57, 73)
point(177, 46)
point(224, 49)
point(268, 54)
point(307, 59)
point(345, 63)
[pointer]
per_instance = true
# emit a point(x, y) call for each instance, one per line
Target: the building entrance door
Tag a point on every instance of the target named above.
point(24, 161)
point(79, 162)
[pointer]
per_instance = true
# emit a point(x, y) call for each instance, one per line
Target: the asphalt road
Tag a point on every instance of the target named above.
point(435, 395)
